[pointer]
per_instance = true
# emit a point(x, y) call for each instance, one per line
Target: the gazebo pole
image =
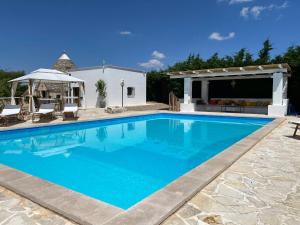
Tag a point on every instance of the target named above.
point(30, 96)
point(13, 92)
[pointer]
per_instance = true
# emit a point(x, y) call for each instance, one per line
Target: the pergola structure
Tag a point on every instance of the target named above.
point(48, 76)
point(278, 72)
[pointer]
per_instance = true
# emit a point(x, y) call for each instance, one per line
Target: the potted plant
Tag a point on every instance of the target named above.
point(101, 89)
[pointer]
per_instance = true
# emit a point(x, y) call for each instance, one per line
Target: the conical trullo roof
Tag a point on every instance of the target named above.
point(64, 63)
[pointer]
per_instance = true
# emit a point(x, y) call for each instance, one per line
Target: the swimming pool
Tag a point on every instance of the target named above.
point(121, 161)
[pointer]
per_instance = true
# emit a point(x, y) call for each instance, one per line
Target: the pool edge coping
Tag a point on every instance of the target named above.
point(152, 210)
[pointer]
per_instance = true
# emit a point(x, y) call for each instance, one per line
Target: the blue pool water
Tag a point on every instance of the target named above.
point(121, 161)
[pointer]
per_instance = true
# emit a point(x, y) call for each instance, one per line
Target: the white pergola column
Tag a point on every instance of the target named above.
point(188, 89)
point(68, 94)
point(278, 88)
point(280, 102)
point(72, 95)
point(204, 90)
point(187, 105)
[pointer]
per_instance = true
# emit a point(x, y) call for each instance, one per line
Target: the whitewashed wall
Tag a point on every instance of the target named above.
point(112, 78)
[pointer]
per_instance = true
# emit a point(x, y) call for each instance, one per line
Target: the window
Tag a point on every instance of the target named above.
point(130, 92)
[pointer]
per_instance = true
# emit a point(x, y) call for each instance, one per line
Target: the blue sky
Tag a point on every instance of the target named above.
point(142, 34)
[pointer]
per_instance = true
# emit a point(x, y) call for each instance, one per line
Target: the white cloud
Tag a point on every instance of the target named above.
point(125, 33)
point(158, 55)
point(155, 62)
point(152, 64)
point(245, 12)
point(257, 10)
point(232, 2)
point(218, 37)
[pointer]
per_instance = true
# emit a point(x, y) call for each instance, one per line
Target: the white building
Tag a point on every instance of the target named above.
point(134, 89)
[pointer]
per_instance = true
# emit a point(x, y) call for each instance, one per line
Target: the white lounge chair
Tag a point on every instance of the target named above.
point(44, 110)
point(70, 111)
point(10, 111)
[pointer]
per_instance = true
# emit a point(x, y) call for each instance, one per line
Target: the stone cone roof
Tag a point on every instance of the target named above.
point(64, 63)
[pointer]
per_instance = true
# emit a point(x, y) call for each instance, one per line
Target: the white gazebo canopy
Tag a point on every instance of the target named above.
point(53, 76)
point(47, 76)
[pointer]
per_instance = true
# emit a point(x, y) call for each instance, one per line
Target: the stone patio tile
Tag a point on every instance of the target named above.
point(20, 219)
point(209, 204)
point(4, 215)
point(175, 220)
point(188, 211)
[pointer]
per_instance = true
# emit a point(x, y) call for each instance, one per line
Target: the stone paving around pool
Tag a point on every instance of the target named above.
point(263, 188)
point(15, 210)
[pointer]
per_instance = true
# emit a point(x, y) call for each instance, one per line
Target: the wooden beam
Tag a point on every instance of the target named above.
point(253, 74)
point(225, 70)
point(235, 78)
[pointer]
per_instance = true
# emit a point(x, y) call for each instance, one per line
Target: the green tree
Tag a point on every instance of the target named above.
point(264, 55)
point(248, 59)
point(239, 57)
point(5, 86)
point(292, 57)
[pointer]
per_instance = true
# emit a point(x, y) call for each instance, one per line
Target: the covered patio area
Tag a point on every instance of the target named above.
point(275, 105)
point(42, 81)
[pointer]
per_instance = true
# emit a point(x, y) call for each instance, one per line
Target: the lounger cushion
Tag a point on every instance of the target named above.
point(70, 108)
point(10, 110)
point(45, 109)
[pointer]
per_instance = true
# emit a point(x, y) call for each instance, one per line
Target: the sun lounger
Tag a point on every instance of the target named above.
point(10, 111)
point(296, 128)
point(114, 109)
point(44, 110)
point(70, 111)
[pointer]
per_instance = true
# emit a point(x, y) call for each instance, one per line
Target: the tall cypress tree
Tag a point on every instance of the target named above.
point(264, 56)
